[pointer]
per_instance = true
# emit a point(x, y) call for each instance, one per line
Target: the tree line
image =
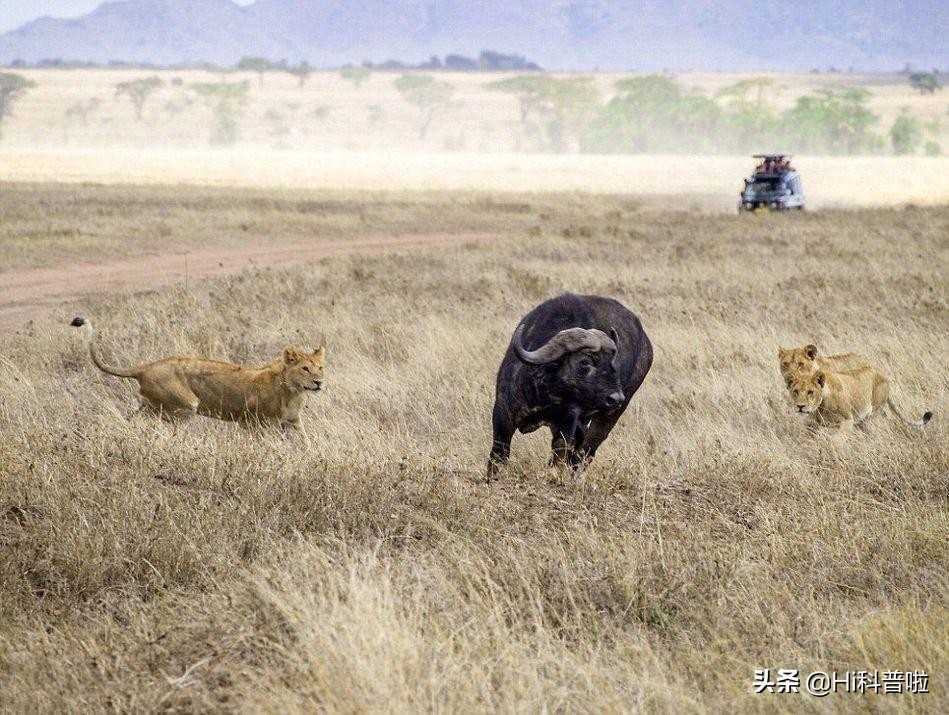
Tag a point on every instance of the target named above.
point(655, 115)
point(486, 61)
point(648, 114)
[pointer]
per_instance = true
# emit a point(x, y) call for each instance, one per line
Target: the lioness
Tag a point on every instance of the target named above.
point(845, 398)
point(807, 359)
point(178, 388)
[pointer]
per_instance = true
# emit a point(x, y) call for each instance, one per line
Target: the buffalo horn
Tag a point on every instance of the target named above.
point(566, 341)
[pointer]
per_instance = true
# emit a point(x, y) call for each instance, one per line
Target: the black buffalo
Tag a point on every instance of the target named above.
point(573, 365)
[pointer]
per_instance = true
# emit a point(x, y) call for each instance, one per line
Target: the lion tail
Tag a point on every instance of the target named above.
point(88, 332)
point(912, 423)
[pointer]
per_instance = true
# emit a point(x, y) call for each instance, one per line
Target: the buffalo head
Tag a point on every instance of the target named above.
point(583, 365)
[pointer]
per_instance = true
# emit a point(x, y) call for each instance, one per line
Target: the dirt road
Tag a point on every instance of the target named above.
point(31, 294)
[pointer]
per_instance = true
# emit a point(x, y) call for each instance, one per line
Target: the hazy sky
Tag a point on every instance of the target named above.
point(14, 13)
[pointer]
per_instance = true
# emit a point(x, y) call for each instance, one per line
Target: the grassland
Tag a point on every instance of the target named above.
point(207, 568)
point(54, 225)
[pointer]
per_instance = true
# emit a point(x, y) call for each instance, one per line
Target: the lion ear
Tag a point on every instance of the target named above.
point(290, 355)
point(319, 352)
point(810, 351)
point(820, 377)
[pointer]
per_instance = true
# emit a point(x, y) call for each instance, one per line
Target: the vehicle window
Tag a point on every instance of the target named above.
point(765, 185)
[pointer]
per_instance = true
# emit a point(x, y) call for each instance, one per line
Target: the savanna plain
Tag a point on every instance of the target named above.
point(331, 133)
point(148, 567)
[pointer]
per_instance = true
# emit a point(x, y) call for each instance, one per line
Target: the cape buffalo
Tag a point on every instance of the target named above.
point(573, 365)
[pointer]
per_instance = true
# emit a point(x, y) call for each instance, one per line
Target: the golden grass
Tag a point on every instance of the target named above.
point(54, 224)
point(207, 568)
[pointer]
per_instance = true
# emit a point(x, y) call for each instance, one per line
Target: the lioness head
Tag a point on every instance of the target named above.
point(302, 370)
point(795, 361)
point(807, 391)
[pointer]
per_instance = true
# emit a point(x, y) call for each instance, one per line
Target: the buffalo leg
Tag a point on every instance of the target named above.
point(558, 449)
point(576, 456)
point(503, 432)
point(599, 429)
point(563, 441)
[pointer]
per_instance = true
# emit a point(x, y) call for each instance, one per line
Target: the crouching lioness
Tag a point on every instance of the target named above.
point(845, 398)
point(177, 388)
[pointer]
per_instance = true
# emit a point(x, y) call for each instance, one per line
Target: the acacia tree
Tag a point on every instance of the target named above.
point(749, 92)
point(925, 82)
point(138, 90)
point(226, 102)
point(551, 108)
point(260, 65)
point(835, 120)
point(82, 110)
point(567, 105)
point(528, 89)
point(79, 111)
point(751, 119)
point(427, 94)
point(302, 72)
point(356, 75)
point(12, 87)
point(654, 114)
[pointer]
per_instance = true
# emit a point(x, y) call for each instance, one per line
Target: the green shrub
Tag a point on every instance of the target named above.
point(906, 135)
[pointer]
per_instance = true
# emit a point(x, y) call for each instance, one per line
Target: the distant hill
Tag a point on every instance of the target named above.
point(570, 34)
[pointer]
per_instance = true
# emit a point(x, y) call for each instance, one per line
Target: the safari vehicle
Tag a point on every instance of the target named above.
point(774, 186)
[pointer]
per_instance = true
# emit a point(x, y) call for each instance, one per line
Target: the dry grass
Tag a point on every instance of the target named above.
point(55, 224)
point(143, 568)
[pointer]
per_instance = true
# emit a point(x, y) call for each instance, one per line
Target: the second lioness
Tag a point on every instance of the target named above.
point(807, 359)
point(178, 388)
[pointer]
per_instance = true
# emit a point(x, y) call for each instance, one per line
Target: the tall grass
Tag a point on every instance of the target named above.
point(146, 567)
